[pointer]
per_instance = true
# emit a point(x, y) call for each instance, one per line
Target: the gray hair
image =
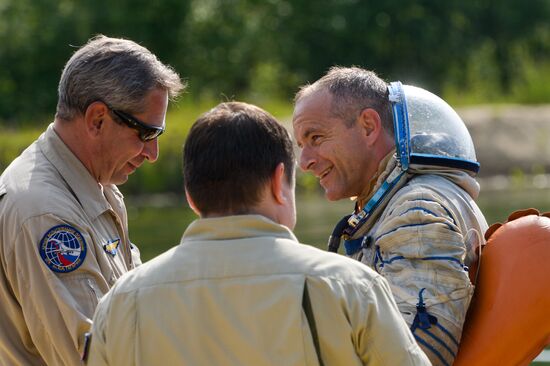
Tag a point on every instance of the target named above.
point(117, 71)
point(353, 89)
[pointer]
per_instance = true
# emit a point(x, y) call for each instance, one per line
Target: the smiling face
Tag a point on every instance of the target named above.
point(339, 155)
point(121, 151)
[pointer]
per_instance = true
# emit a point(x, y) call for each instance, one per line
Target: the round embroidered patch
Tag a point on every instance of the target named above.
point(63, 248)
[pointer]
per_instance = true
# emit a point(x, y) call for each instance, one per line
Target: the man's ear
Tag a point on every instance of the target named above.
point(371, 123)
point(277, 181)
point(191, 203)
point(94, 117)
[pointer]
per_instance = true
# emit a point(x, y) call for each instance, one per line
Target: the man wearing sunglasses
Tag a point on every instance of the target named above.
point(63, 225)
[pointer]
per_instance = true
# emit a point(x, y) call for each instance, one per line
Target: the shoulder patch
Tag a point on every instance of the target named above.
point(63, 248)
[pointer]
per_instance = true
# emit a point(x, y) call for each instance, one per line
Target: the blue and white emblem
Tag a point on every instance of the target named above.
point(63, 248)
point(111, 246)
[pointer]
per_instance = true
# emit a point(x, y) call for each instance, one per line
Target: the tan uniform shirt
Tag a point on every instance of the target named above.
point(63, 243)
point(240, 290)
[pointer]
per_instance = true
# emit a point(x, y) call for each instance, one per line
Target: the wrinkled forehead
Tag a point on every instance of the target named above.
point(313, 117)
point(313, 105)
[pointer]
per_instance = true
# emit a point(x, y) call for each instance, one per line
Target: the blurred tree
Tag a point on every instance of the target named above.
point(483, 50)
point(38, 37)
point(33, 36)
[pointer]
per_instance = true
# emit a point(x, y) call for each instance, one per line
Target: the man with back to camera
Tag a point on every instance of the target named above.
point(415, 221)
point(239, 289)
point(64, 236)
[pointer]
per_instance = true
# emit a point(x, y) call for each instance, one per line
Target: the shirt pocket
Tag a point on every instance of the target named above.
point(84, 291)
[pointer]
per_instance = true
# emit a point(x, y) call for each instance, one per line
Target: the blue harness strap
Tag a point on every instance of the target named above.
point(352, 246)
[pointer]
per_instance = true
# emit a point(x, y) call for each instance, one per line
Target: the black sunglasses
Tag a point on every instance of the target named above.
point(146, 132)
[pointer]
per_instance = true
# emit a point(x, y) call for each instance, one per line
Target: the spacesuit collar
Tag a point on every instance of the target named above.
point(461, 178)
point(386, 166)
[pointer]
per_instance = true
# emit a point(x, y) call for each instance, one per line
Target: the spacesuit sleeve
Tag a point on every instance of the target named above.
point(420, 250)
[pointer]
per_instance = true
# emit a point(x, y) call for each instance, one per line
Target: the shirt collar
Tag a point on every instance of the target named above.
point(235, 227)
point(86, 189)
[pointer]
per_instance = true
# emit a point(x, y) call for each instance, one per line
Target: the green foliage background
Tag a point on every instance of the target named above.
point(261, 51)
point(475, 51)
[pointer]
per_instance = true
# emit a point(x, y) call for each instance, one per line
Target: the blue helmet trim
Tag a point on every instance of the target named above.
point(446, 161)
point(400, 122)
point(401, 126)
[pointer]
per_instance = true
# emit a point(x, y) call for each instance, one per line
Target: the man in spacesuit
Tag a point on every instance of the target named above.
point(409, 162)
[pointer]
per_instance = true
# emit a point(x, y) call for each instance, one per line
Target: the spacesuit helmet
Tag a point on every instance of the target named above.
point(428, 131)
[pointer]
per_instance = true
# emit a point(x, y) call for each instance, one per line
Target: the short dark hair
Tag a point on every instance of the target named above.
point(353, 89)
point(230, 154)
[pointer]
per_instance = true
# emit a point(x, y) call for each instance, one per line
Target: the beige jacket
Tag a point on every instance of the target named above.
point(63, 243)
point(240, 290)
